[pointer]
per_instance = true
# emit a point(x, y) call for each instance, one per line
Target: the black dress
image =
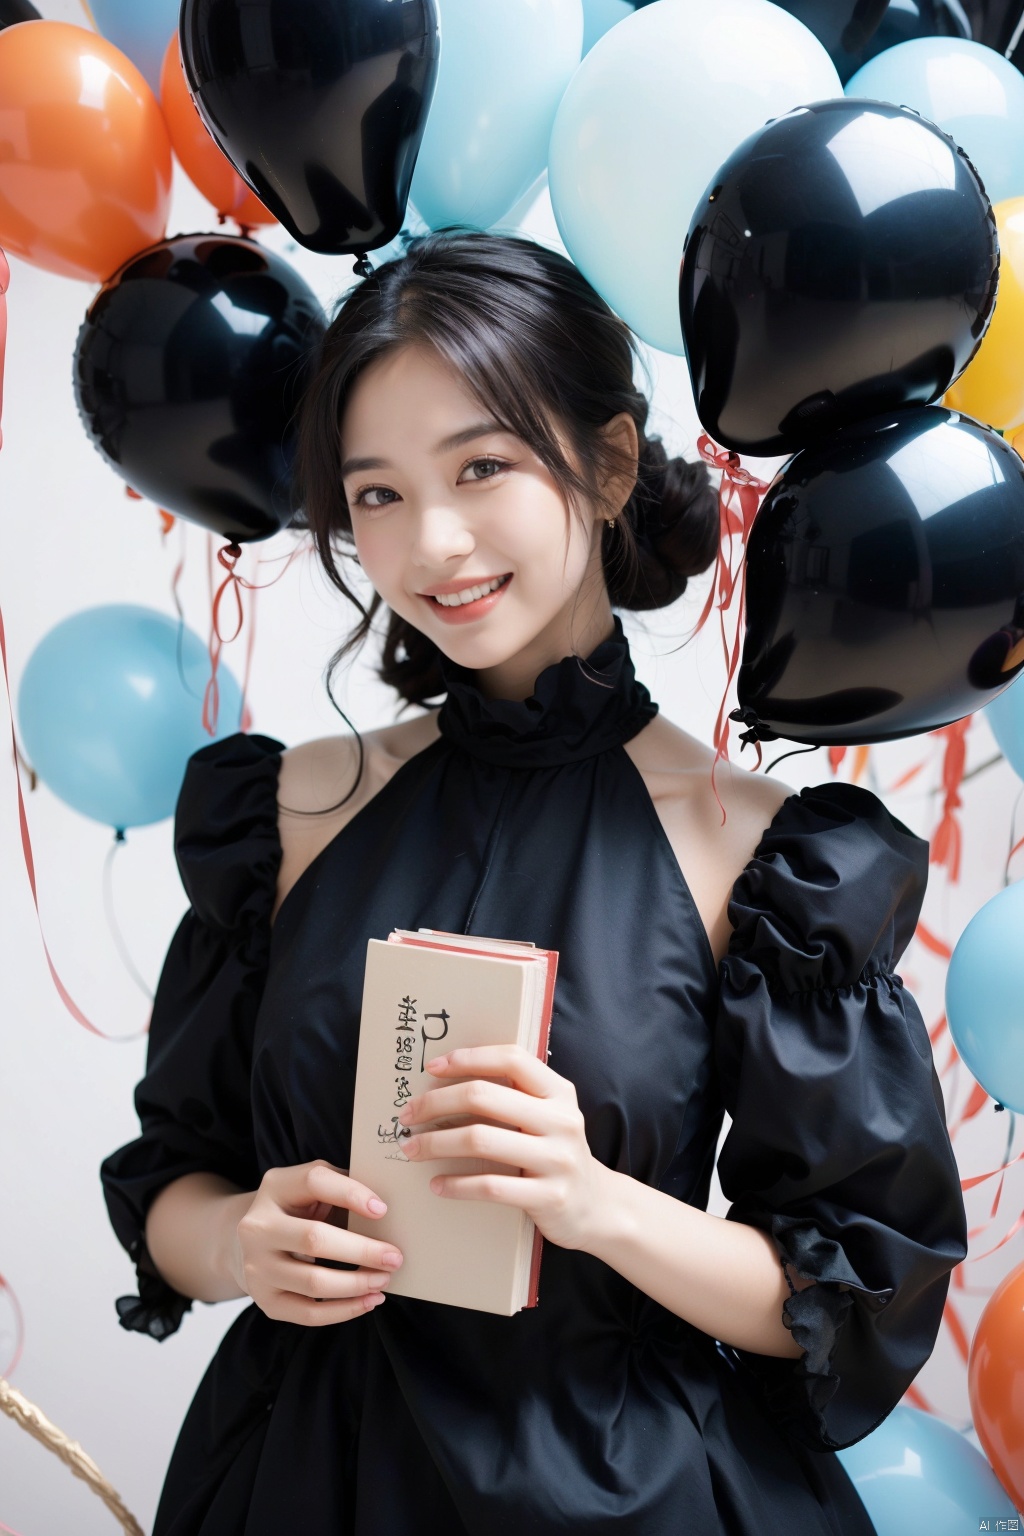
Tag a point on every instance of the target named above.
point(597, 1411)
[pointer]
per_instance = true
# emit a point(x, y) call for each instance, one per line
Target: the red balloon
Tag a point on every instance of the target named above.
point(995, 1380)
point(85, 174)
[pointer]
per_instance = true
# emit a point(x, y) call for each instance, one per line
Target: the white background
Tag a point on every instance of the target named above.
point(69, 539)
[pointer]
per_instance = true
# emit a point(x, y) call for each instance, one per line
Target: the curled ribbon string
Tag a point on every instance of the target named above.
point(26, 848)
point(26, 841)
point(228, 557)
point(947, 840)
point(739, 497)
point(19, 1327)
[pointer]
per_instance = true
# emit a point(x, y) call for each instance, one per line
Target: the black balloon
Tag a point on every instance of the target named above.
point(844, 27)
point(14, 11)
point(899, 22)
point(994, 22)
point(843, 262)
point(188, 370)
point(908, 19)
point(885, 582)
point(319, 104)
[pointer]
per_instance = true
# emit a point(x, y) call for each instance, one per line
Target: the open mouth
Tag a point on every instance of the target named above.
point(471, 602)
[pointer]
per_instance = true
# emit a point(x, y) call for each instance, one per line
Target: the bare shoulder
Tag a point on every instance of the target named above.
point(323, 784)
point(711, 853)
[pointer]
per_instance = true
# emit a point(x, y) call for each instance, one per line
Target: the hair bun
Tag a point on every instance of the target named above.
point(673, 517)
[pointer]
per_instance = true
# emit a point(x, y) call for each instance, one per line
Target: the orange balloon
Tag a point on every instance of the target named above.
point(995, 1381)
point(85, 160)
point(202, 159)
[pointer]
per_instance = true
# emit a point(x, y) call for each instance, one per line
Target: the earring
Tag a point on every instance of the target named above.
point(610, 521)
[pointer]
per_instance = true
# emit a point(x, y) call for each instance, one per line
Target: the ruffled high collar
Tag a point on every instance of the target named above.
point(578, 709)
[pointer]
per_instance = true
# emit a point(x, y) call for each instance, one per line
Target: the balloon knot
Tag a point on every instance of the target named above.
point(755, 731)
point(364, 266)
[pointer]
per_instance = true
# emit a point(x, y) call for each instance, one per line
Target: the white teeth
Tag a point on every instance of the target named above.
point(470, 595)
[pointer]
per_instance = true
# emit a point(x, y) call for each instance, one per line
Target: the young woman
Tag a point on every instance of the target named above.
point(474, 439)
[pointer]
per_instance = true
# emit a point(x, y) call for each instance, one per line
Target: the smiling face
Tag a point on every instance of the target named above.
point(461, 528)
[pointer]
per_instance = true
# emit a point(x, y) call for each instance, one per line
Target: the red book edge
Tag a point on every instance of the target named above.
point(550, 958)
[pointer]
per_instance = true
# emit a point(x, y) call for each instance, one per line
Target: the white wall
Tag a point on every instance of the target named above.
point(69, 538)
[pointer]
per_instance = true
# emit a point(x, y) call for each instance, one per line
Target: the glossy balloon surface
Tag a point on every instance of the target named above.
point(842, 262)
point(902, 21)
point(319, 104)
point(995, 1380)
point(85, 173)
point(915, 1472)
point(991, 388)
point(188, 369)
point(968, 91)
point(885, 573)
point(984, 982)
point(202, 159)
point(650, 114)
point(107, 719)
point(486, 138)
point(844, 27)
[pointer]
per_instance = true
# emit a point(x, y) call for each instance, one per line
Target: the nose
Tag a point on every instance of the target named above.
point(441, 537)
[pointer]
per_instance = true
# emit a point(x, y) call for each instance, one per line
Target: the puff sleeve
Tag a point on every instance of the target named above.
point(838, 1146)
point(193, 1102)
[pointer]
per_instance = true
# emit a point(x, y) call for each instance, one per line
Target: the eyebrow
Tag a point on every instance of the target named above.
point(467, 435)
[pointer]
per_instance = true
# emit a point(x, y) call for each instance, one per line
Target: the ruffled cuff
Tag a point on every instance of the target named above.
point(158, 1308)
point(798, 1391)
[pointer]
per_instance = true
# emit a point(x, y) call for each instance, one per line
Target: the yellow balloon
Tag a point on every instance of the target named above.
point(991, 388)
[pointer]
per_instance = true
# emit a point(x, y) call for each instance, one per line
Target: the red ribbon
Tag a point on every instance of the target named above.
point(739, 498)
point(228, 557)
point(947, 840)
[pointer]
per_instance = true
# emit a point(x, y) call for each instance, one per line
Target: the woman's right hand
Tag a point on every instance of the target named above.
point(292, 1222)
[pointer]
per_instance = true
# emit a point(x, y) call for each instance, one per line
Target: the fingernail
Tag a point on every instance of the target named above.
point(391, 1260)
point(374, 1299)
point(376, 1206)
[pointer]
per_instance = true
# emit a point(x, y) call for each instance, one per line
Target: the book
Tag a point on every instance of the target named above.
point(426, 993)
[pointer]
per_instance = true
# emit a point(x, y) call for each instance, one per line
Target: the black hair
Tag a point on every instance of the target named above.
point(536, 344)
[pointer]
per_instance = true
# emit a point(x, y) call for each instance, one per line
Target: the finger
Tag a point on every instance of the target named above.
point(318, 1240)
point(495, 1187)
point(512, 1061)
point(288, 1308)
point(494, 1143)
point(481, 1099)
point(316, 1280)
point(306, 1184)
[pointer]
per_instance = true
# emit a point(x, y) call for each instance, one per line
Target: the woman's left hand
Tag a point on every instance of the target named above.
point(540, 1129)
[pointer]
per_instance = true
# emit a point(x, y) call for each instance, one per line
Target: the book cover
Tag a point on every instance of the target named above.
point(426, 994)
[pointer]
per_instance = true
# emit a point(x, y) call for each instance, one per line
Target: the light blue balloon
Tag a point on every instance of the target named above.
point(968, 90)
point(659, 102)
point(599, 16)
point(985, 997)
point(503, 69)
point(1005, 715)
point(140, 28)
point(915, 1473)
point(106, 720)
